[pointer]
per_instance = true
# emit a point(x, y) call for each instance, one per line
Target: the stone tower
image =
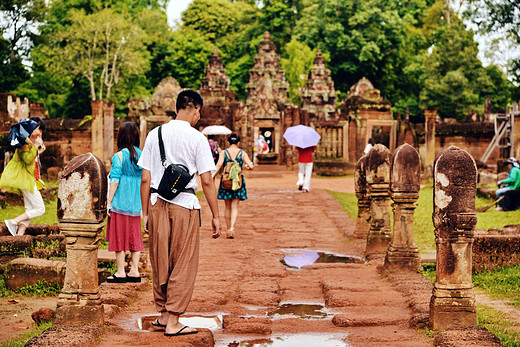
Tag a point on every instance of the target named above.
point(318, 95)
point(267, 63)
point(215, 79)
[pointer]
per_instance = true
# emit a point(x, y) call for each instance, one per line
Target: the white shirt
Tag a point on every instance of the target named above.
point(182, 145)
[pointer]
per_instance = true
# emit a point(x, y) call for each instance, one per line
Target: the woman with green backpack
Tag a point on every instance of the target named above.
point(232, 186)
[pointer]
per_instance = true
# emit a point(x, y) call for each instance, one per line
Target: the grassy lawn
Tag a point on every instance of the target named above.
point(422, 222)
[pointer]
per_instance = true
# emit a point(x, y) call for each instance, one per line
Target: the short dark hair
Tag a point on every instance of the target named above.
point(233, 139)
point(188, 98)
point(128, 137)
point(40, 122)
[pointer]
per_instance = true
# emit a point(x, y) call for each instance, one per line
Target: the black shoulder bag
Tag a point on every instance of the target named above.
point(175, 177)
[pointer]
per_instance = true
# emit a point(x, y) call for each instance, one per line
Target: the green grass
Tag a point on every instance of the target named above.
point(22, 340)
point(48, 218)
point(499, 324)
point(424, 235)
point(500, 284)
point(42, 288)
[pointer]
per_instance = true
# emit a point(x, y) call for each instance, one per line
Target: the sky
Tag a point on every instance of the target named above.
point(174, 9)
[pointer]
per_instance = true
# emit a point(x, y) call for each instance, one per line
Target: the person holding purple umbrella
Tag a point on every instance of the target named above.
point(22, 174)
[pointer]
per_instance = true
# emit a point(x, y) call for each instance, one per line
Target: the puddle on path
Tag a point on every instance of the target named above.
point(144, 322)
point(297, 340)
point(298, 258)
point(304, 311)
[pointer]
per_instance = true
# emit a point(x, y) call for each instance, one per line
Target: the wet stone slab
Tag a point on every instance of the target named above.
point(294, 340)
point(303, 311)
point(298, 258)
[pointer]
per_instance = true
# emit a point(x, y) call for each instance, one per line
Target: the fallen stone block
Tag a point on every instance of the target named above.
point(366, 319)
point(243, 325)
point(61, 336)
point(22, 272)
point(16, 245)
point(466, 336)
point(43, 315)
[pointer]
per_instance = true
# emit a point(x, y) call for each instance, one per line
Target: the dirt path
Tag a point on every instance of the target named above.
point(244, 277)
point(242, 283)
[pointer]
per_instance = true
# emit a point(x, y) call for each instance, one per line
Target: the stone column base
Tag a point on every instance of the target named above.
point(447, 312)
point(403, 260)
point(76, 308)
point(72, 315)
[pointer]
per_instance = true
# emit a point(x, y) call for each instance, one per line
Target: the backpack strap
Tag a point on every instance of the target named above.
point(161, 147)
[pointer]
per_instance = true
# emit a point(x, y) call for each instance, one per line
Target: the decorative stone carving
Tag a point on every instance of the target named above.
point(267, 63)
point(360, 184)
point(318, 95)
point(215, 79)
point(378, 179)
point(405, 183)
point(454, 219)
point(429, 131)
point(81, 212)
point(165, 96)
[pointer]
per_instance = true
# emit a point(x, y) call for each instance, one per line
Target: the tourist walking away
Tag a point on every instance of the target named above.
point(305, 168)
point(213, 145)
point(124, 205)
point(232, 186)
point(371, 143)
point(22, 175)
point(173, 225)
point(511, 182)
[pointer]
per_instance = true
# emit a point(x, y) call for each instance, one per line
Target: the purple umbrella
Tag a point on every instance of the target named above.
point(301, 136)
point(300, 258)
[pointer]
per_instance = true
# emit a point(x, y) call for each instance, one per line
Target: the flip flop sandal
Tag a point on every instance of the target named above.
point(156, 323)
point(180, 332)
point(133, 279)
point(115, 279)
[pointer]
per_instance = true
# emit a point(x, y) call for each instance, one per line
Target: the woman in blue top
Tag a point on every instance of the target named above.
point(124, 204)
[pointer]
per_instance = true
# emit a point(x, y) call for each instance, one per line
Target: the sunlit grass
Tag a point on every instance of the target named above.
point(500, 284)
point(423, 229)
point(22, 340)
point(499, 324)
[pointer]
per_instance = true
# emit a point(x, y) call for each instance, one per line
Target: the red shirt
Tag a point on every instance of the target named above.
point(305, 154)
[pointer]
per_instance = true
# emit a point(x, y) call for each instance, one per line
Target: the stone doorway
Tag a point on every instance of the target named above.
point(268, 134)
point(383, 132)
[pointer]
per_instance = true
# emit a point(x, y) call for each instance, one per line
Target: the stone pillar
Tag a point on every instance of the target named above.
point(405, 179)
point(360, 183)
point(97, 128)
point(81, 212)
point(108, 133)
point(429, 133)
point(378, 180)
point(454, 218)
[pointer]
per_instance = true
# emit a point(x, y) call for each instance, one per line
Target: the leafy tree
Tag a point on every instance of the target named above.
point(12, 71)
point(103, 48)
point(502, 16)
point(232, 27)
point(297, 61)
point(454, 74)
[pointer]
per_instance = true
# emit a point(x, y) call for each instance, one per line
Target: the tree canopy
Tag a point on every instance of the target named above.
point(418, 53)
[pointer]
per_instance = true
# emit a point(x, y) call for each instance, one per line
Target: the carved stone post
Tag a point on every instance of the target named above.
point(378, 179)
point(454, 218)
point(81, 212)
point(360, 182)
point(108, 133)
point(429, 131)
point(97, 127)
point(405, 179)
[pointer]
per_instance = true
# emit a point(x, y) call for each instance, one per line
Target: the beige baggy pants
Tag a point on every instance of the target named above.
point(174, 254)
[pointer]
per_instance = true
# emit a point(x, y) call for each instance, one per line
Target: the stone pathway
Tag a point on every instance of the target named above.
point(244, 281)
